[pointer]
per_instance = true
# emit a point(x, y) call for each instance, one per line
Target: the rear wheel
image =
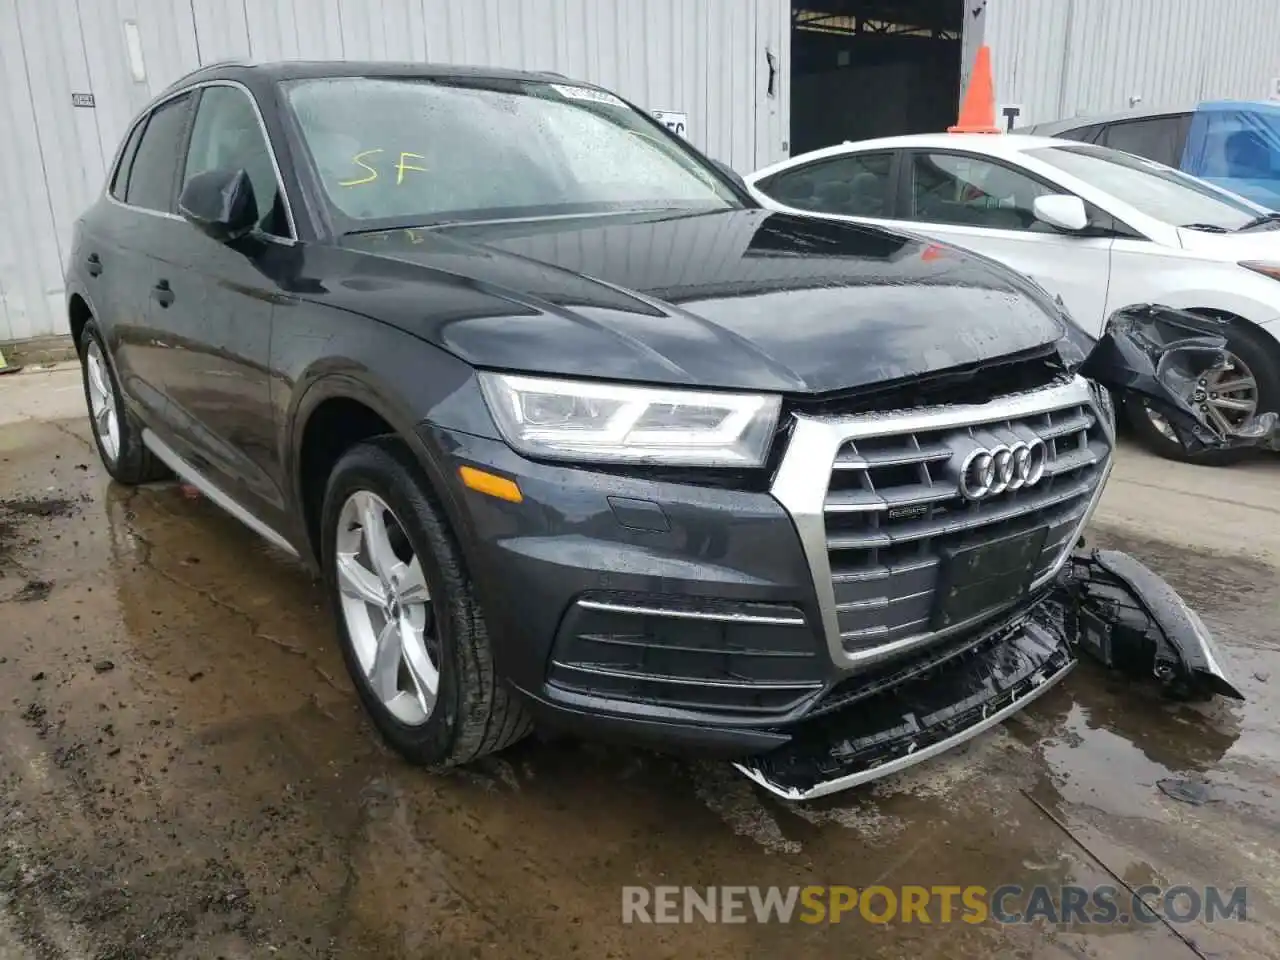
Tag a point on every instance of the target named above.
point(412, 632)
point(1249, 384)
point(116, 433)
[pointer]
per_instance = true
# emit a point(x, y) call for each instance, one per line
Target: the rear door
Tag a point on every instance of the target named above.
point(133, 237)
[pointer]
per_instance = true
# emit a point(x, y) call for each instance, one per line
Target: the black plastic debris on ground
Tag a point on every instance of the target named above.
point(1195, 792)
point(32, 591)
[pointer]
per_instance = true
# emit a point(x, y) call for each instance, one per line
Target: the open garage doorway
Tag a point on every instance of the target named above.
point(872, 68)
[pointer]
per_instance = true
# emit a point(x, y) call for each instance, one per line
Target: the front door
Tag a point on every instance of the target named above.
point(986, 206)
point(221, 301)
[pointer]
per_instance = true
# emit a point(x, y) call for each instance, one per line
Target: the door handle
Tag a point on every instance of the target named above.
point(94, 265)
point(162, 293)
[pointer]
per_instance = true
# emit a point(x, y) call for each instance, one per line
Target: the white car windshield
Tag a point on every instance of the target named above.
point(413, 150)
point(1152, 188)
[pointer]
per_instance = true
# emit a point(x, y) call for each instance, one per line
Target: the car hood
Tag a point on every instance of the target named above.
point(1261, 244)
point(744, 299)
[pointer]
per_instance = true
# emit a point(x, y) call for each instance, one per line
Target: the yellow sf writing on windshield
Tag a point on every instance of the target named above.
point(402, 165)
point(358, 160)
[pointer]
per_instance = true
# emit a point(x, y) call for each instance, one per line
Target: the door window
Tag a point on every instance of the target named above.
point(151, 175)
point(858, 185)
point(1157, 138)
point(227, 136)
point(973, 192)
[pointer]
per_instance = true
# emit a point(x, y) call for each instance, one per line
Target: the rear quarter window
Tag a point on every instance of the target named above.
point(1086, 134)
point(120, 179)
point(154, 171)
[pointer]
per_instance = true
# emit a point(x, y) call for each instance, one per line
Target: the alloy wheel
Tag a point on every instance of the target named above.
point(1230, 399)
point(387, 608)
point(102, 402)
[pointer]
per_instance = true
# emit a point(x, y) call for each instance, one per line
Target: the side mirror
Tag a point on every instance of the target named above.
point(1062, 211)
point(220, 203)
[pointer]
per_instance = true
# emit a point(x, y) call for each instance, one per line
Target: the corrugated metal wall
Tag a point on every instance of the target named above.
point(709, 59)
point(1060, 58)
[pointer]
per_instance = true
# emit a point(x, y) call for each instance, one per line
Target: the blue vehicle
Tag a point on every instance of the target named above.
point(1234, 144)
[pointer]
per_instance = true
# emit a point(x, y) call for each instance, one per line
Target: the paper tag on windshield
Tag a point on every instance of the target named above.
point(586, 93)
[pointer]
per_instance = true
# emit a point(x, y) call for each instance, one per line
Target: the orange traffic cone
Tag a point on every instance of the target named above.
point(978, 112)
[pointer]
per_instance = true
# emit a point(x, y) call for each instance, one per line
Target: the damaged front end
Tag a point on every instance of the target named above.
point(1103, 605)
point(1165, 357)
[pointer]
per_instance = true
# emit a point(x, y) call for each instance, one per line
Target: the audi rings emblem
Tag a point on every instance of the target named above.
point(986, 473)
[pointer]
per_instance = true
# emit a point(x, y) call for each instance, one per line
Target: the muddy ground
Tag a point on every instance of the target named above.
point(184, 771)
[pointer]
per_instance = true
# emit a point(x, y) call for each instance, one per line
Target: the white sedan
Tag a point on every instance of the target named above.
point(1099, 228)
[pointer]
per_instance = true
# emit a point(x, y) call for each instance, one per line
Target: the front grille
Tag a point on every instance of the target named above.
point(876, 501)
point(893, 508)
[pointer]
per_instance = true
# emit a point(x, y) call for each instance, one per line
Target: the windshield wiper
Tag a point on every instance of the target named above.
point(1205, 227)
point(1260, 221)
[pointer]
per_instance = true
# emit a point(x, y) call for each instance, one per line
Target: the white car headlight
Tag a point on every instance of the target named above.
point(609, 422)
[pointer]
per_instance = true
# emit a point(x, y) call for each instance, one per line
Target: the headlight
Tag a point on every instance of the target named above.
point(1267, 269)
point(584, 420)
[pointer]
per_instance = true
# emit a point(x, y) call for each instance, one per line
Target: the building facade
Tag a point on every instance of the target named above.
point(1063, 58)
point(73, 73)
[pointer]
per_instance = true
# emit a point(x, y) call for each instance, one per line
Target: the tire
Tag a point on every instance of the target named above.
point(1250, 346)
point(474, 712)
point(125, 457)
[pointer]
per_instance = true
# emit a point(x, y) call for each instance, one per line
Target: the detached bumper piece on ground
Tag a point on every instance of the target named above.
point(1105, 605)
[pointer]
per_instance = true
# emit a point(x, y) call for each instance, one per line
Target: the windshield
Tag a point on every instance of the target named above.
point(1152, 188)
point(400, 151)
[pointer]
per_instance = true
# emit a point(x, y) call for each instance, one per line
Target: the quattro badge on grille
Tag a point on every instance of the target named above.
point(986, 471)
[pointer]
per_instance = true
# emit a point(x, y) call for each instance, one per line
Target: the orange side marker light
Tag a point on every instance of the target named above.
point(491, 484)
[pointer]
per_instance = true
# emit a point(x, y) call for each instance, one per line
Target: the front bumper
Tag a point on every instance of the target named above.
point(691, 616)
point(936, 704)
point(761, 626)
point(642, 609)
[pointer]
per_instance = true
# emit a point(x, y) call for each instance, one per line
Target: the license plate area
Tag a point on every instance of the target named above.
point(978, 578)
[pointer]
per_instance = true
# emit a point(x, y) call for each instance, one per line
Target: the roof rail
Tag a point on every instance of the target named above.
point(233, 62)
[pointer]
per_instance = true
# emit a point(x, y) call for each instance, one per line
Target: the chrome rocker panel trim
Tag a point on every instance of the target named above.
point(801, 483)
point(174, 461)
point(919, 756)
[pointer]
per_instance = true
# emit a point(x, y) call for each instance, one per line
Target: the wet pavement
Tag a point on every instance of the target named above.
point(184, 770)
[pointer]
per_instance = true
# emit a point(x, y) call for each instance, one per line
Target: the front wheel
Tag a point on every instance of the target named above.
point(1250, 383)
point(411, 629)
